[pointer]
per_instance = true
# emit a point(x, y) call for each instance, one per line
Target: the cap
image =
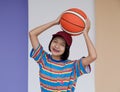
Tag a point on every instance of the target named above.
point(67, 37)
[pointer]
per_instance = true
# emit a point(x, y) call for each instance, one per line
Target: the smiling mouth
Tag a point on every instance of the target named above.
point(55, 50)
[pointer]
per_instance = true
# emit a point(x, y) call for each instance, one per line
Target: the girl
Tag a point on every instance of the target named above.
point(57, 73)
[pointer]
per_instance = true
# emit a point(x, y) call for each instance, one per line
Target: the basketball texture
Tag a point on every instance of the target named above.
point(73, 21)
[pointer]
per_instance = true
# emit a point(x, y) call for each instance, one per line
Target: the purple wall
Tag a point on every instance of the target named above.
point(13, 45)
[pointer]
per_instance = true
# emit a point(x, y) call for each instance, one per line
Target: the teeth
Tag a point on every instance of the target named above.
point(56, 50)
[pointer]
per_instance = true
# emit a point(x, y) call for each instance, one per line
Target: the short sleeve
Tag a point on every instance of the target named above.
point(79, 68)
point(37, 53)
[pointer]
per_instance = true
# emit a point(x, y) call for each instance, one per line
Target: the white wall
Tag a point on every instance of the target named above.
point(43, 11)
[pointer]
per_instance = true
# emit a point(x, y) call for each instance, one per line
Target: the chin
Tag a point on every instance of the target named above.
point(56, 54)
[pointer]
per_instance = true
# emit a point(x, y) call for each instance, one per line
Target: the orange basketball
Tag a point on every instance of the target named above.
point(73, 21)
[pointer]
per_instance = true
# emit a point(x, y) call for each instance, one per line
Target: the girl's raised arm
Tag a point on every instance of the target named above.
point(33, 34)
point(92, 55)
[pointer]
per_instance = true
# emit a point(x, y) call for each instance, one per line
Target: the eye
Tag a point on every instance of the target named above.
point(55, 41)
point(63, 44)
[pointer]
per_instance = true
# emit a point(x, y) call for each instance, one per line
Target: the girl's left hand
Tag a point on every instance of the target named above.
point(87, 26)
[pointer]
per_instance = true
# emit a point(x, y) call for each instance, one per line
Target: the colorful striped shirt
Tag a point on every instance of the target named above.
point(57, 75)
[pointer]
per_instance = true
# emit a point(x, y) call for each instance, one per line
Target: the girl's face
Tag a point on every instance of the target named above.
point(57, 47)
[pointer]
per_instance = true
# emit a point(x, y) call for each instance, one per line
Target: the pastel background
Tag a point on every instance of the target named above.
point(13, 45)
point(107, 68)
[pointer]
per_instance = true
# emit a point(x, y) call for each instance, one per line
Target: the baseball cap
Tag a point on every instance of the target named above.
point(67, 37)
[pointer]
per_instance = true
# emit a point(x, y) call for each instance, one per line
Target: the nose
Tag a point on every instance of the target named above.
point(57, 45)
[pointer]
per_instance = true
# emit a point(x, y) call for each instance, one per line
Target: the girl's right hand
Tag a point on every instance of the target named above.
point(57, 21)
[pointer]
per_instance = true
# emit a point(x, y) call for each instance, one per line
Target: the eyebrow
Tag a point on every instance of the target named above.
point(60, 38)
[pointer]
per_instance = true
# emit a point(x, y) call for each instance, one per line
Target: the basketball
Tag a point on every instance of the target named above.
point(72, 21)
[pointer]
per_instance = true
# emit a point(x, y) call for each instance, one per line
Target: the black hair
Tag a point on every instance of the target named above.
point(65, 55)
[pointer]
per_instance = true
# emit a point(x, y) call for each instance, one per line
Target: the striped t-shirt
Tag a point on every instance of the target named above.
point(57, 75)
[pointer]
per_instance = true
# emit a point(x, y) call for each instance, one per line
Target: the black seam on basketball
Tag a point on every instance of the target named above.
point(72, 23)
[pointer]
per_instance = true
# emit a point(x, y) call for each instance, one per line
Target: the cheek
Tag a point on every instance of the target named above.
point(63, 49)
point(50, 46)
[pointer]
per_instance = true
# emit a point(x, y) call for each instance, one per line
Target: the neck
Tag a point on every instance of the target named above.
point(56, 57)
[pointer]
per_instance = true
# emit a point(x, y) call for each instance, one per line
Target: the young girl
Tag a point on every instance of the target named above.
point(57, 73)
